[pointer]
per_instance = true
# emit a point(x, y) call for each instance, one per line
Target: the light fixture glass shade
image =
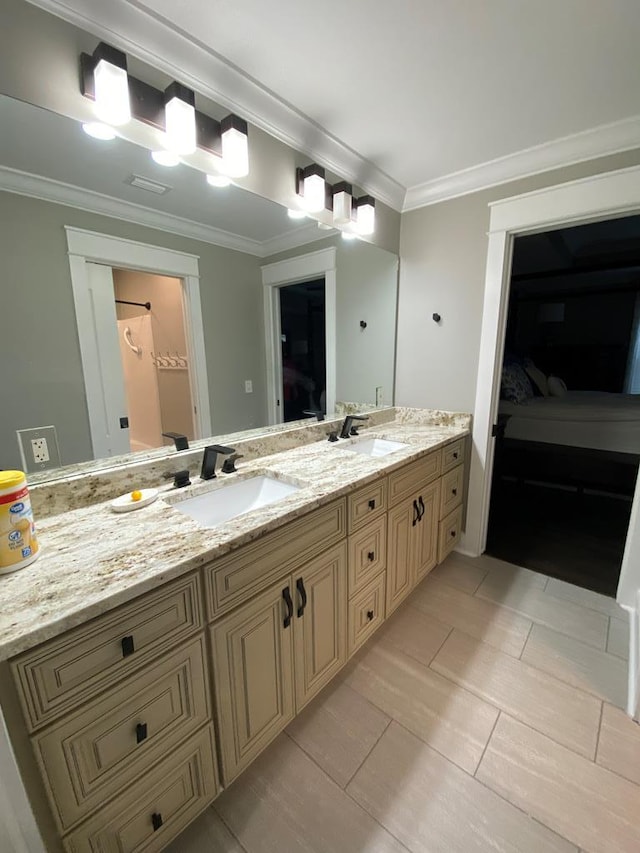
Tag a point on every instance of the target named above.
point(218, 180)
point(313, 193)
point(342, 202)
point(111, 93)
point(180, 126)
point(235, 152)
point(98, 130)
point(365, 215)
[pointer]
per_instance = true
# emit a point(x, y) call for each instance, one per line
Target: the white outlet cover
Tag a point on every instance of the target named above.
point(248, 386)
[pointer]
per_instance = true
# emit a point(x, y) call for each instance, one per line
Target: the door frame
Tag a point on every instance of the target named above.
point(280, 274)
point(604, 196)
point(92, 247)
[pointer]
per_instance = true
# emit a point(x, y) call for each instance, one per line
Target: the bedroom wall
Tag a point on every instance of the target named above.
point(443, 251)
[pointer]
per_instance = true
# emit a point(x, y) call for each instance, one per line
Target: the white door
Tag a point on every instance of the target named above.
point(113, 437)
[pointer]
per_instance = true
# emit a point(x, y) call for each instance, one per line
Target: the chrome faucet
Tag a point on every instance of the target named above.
point(347, 426)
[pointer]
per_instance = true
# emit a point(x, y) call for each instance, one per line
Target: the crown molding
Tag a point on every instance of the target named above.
point(154, 40)
point(588, 145)
point(293, 239)
point(46, 189)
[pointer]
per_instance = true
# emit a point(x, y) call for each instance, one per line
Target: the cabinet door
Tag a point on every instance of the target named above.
point(252, 653)
point(401, 552)
point(425, 538)
point(320, 622)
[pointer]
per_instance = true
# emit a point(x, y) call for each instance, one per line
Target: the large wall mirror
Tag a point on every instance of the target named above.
point(159, 363)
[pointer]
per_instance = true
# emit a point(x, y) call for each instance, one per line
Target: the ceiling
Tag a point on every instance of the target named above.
point(426, 88)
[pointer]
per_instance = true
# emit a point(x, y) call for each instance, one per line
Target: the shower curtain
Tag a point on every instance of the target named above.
point(141, 382)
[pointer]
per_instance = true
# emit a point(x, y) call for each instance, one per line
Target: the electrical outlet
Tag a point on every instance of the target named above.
point(39, 448)
point(379, 395)
point(248, 386)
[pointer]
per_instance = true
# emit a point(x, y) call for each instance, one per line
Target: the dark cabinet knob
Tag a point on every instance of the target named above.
point(141, 732)
point(127, 646)
point(156, 820)
point(454, 492)
point(455, 455)
point(370, 615)
point(372, 504)
point(453, 533)
point(371, 556)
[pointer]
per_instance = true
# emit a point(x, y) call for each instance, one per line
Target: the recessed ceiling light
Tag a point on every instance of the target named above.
point(218, 180)
point(165, 158)
point(292, 213)
point(98, 130)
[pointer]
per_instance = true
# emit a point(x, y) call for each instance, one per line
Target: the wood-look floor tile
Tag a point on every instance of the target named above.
point(619, 745)
point(207, 834)
point(618, 639)
point(338, 730)
point(591, 806)
point(585, 597)
point(482, 619)
point(593, 670)
point(533, 602)
point(284, 802)
point(450, 719)
point(414, 633)
point(524, 692)
point(461, 572)
point(434, 807)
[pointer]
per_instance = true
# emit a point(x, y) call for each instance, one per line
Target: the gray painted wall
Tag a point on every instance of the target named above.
point(42, 380)
point(443, 251)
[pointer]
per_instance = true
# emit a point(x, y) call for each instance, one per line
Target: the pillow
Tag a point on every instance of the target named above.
point(515, 387)
point(537, 377)
point(557, 386)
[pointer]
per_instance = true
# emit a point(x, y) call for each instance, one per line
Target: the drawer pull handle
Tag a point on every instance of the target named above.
point(156, 820)
point(371, 556)
point(455, 455)
point(372, 504)
point(303, 596)
point(370, 615)
point(127, 646)
point(416, 514)
point(453, 533)
point(287, 600)
point(421, 504)
point(141, 732)
point(454, 492)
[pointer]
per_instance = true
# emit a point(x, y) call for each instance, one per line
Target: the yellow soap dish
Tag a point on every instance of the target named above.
point(125, 503)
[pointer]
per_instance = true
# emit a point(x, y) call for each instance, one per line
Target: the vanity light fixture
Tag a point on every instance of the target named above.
point(180, 119)
point(342, 203)
point(311, 187)
point(164, 157)
point(365, 218)
point(235, 146)
point(218, 180)
point(111, 85)
point(292, 213)
point(98, 130)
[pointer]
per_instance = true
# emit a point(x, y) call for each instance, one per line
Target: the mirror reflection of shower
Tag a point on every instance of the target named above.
point(153, 350)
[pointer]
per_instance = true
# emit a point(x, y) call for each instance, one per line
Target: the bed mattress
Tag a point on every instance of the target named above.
point(590, 419)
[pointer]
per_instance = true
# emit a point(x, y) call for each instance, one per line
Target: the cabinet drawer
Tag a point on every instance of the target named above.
point(367, 504)
point(232, 580)
point(62, 673)
point(93, 754)
point(452, 455)
point(449, 533)
point(366, 613)
point(367, 554)
point(154, 810)
point(452, 489)
point(412, 477)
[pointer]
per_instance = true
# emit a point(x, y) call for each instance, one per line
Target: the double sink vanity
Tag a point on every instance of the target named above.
point(150, 657)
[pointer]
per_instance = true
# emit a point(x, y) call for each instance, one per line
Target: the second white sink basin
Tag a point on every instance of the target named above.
point(374, 446)
point(234, 499)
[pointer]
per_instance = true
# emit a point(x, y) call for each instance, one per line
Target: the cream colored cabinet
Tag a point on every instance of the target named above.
point(426, 532)
point(274, 653)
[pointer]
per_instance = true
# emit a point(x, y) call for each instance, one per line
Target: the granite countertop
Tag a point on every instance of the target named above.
point(94, 559)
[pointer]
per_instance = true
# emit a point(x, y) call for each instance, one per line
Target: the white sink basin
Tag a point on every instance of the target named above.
point(374, 446)
point(234, 499)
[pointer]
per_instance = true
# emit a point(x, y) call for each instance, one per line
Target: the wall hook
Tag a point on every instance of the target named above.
point(363, 324)
point(436, 318)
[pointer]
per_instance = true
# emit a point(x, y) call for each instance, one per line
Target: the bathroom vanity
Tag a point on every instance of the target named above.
point(143, 675)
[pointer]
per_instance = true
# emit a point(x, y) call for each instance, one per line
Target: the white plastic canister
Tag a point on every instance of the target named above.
point(18, 542)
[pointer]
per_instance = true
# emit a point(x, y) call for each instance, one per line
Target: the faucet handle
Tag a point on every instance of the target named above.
point(180, 478)
point(229, 464)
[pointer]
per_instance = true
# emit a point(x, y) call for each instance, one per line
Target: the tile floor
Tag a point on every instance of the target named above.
point(483, 716)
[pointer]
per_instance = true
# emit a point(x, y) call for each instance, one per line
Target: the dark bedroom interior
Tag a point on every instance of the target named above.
point(568, 430)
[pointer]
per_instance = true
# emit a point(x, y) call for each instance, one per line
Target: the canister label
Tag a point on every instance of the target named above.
point(18, 541)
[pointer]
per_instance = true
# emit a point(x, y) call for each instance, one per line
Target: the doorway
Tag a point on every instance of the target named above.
point(155, 366)
point(303, 348)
